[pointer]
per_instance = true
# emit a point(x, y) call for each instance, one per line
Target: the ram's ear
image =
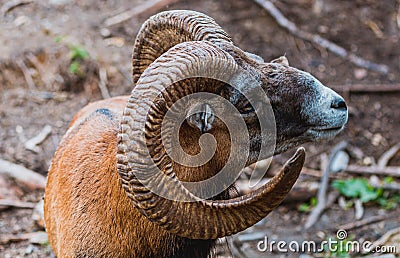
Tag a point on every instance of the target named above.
point(281, 60)
point(201, 116)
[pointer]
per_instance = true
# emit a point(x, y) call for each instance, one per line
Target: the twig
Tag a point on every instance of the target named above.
point(398, 16)
point(33, 143)
point(319, 209)
point(311, 172)
point(301, 192)
point(8, 6)
point(17, 204)
point(393, 187)
point(28, 78)
point(322, 199)
point(20, 132)
point(125, 74)
point(316, 39)
point(358, 209)
point(385, 238)
point(103, 83)
point(364, 222)
point(317, 173)
point(325, 175)
point(369, 88)
point(235, 248)
point(249, 237)
point(374, 170)
point(321, 195)
point(39, 237)
point(387, 155)
point(148, 6)
point(46, 75)
point(22, 174)
point(38, 214)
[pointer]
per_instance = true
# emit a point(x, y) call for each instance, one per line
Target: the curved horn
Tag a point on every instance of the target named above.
point(193, 218)
point(167, 29)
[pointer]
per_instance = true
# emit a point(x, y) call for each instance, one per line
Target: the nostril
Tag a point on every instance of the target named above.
point(339, 104)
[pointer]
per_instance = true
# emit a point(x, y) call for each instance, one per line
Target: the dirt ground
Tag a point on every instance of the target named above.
point(36, 38)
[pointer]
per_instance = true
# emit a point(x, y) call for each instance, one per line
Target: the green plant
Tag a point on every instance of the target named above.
point(388, 202)
point(59, 39)
point(306, 207)
point(77, 54)
point(337, 248)
point(360, 188)
point(74, 67)
point(357, 188)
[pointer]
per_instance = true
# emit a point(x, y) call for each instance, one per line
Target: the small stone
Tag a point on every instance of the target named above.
point(374, 180)
point(367, 161)
point(339, 162)
point(39, 238)
point(360, 73)
point(115, 41)
point(29, 249)
point(323, 29)
point(21, 20)
point(59, 123)
point(38, 215)
point(112, 70)
point(377, 139)
point(19, 129)
point(105, 33)
point(321, 68)
point(359, 209)
point(342, 203)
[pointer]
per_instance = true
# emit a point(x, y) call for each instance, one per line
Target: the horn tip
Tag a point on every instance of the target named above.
point(301, 150)
point(298, 157)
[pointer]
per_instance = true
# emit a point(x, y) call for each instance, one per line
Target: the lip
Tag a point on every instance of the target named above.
point(327, 129)
point(325, 132)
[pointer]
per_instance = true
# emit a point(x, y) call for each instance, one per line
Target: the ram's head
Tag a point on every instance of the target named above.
point(193, 83)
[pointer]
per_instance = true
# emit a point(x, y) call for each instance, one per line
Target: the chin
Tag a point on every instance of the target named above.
point(320, 134)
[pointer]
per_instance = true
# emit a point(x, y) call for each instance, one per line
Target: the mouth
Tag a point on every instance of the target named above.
point(324, 132)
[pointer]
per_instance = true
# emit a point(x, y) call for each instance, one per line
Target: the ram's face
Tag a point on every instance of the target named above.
point(304, 109)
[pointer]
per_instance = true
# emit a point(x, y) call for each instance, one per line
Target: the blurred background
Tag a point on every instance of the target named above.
point(58, 55)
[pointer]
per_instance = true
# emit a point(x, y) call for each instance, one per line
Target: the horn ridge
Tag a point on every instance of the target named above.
point(167, 29)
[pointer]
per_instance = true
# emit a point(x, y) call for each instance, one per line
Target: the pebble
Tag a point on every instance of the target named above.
point(105, 33)
point(39, 238)
point(339, 162)
point(377, 139)
point(29, 249)
point(21, 20)
point(115, 41)
point(360, 73)
point(367, 161)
